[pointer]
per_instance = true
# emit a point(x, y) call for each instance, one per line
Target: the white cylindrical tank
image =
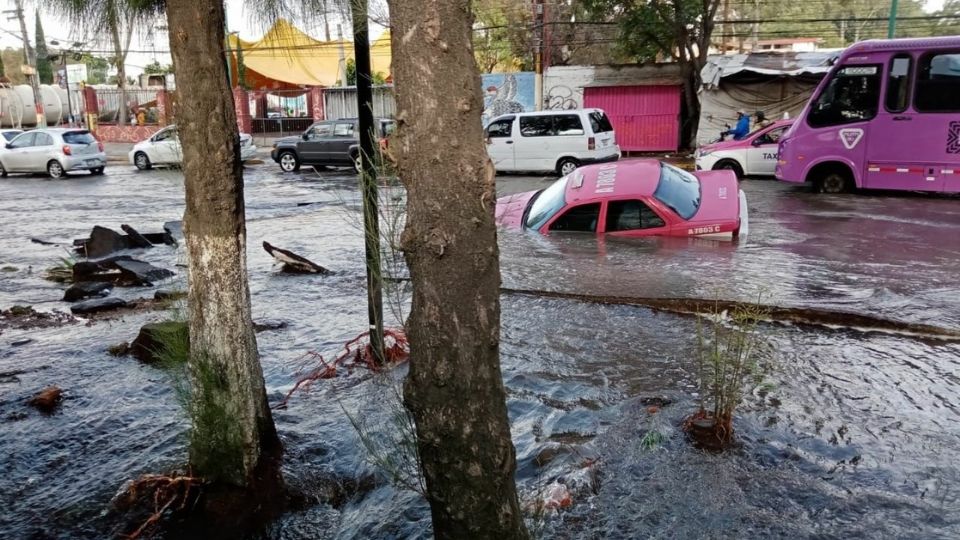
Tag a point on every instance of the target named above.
point(53, 108)
point(29, 109)
point(11, 108)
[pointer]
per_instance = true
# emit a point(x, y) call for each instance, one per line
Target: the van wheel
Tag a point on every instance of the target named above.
point(3, 171)
point(55, 169)
point(142, 162)
point(288, 162)
point(730, 165)
point(566, 166)
point(832, 182)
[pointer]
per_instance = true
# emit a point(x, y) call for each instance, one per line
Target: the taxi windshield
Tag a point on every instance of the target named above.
point(547, 203)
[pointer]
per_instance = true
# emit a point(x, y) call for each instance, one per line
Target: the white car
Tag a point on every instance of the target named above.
point(163, 148)
point(754, 155)
point(55, 151)
point(551, 141)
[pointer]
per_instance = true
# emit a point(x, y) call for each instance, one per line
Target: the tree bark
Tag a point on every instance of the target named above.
point(454, 389)
point(233, 438)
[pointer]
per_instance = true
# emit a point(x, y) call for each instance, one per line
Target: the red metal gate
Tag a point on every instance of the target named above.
point(646, 118)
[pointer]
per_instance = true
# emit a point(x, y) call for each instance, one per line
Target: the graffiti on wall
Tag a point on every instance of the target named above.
point(505, 93)
point(564, 98)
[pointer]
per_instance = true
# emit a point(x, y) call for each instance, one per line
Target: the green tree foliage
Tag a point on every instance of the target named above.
point(156, 68)
point(837, 23)
point(97, 69)
point(677, 30)
point(44, 67)
point(502, 37)
point(377, 78)
point(12, 60)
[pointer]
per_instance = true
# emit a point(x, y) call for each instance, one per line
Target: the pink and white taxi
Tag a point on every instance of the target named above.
point(632, 198)
point(754, 155)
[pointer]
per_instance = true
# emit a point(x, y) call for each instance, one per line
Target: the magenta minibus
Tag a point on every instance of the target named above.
point(887, 116)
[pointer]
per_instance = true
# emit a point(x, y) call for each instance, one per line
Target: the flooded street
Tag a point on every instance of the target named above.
point(852, 433)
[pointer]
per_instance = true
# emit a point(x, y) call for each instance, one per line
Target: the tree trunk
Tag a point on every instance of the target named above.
point(113, 22)
point(454, 389)
point(233, 440)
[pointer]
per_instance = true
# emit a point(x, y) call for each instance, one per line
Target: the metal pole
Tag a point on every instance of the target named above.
point(892, 24)
point(31, 57)
point(368, 178)
point(66, 80)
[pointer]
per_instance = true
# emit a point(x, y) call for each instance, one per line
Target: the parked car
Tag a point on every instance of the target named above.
point(9, 134)
point(754, 155)
point(55, 151)
point(551, 141)
point(632, 198)
point(163, 148)
point(328, 142)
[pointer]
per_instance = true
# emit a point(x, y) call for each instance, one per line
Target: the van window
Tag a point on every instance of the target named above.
point(852, 95)
point(568, 124)
point(630, 216)
point(599, 122)
point(536, 126)
point(581, 218)
point(938, 83)
point(898, 83)
point(501, 128)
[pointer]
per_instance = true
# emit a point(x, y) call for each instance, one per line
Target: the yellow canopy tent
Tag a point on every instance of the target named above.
point(286, 58)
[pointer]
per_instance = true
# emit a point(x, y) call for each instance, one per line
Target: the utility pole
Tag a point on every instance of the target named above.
point(538, 53)
point(368, 177)
point(725, 30)
point(892, 24)
point(342, 65)
point(30, 55)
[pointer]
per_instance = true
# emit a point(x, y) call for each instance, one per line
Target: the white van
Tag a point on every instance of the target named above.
point(549, 141)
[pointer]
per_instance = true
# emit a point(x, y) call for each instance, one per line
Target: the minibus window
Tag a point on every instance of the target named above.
point(938, 83)
point(851, 96)
point(898, 83)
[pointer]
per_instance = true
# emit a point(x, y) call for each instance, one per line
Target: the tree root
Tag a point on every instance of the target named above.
point(356, 353)
point(168, 492)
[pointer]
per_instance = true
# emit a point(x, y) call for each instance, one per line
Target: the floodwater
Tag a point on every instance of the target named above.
point(852, 433)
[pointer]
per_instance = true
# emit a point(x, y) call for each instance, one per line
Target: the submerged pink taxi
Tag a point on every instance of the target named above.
point(632, 198)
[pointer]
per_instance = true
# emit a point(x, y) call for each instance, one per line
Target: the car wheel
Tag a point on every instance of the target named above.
point(3, 171)
point(142, 161)
point(730, 165)
point(96, 172)
point(55, 169)
point(288, 162)
point(567, 165)
point(833, 182)
point(357, 162)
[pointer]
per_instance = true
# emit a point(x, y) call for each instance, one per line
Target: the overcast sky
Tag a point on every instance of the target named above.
point(144, 50)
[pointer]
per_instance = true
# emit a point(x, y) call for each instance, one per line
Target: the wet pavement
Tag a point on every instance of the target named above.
point(851, 434)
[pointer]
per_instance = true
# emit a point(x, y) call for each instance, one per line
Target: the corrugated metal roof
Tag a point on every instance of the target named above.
point(772, 63)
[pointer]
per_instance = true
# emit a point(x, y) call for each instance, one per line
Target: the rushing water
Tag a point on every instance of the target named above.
point(852, 434)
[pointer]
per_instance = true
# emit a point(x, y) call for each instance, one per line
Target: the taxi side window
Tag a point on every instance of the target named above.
point(631, 215)
point(581, 218)
point(772, 136)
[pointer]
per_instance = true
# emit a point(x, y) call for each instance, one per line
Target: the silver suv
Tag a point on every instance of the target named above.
point(54, 151)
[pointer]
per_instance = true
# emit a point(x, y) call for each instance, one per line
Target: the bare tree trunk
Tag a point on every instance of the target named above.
point(454, 389)
point(233, 439)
